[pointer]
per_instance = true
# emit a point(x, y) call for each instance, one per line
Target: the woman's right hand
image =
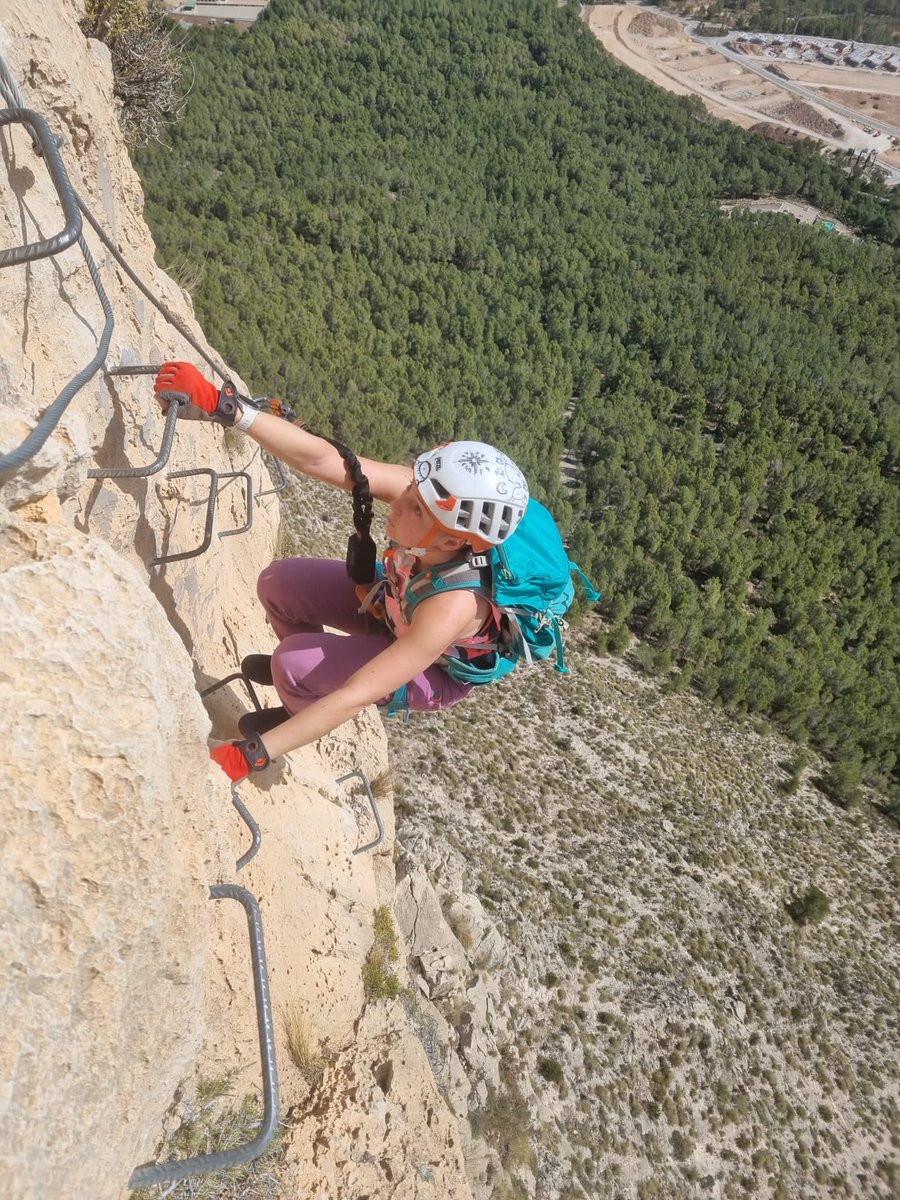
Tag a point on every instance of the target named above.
point(238, 759)
point(182, 379)
point(185, 380)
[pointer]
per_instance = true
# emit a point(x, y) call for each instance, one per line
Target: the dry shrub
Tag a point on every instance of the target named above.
point(146, 63)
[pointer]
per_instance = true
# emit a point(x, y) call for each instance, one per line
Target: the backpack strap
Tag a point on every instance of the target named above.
point(560, 656)
point(449, 577)
point(591, 592)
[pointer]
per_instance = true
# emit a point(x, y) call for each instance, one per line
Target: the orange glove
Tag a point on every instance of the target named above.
point(238, 759)
point(185, 380)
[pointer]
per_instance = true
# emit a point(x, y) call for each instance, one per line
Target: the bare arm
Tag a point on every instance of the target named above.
point(436, 624)
point(317, 458)
point(297, 447)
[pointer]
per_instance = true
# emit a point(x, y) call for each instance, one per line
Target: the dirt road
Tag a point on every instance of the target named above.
point(735, 89)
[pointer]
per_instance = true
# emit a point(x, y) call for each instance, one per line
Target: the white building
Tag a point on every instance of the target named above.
point(217, 12)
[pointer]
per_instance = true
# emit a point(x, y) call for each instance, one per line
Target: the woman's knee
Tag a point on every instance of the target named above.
point(297, 593)
point(434, 689)
point(274, 581)
point(307, 666)
point(294, 663)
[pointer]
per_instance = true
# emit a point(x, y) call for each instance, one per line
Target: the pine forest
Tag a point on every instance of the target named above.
point(419, 221)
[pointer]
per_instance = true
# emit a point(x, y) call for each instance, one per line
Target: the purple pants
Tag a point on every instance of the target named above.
point(300, 595)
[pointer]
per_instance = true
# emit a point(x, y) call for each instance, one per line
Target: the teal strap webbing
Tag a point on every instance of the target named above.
point(592, 594)
point(560, 655)
point(398, 703)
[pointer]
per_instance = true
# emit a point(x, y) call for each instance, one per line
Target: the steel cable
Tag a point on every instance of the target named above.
point(169, 316)
point(14, 459)
point(47, 146)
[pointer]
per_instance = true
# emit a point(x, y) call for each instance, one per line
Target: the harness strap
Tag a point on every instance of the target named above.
point(399, 702)
point(362, 555)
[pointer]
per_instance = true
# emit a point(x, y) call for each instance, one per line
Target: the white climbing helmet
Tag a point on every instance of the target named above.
point(472, 489)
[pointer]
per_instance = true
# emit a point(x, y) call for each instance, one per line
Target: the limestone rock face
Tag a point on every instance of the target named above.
point(103, 776)
point(430, 941)
point(375, 1126)
point(123, 984)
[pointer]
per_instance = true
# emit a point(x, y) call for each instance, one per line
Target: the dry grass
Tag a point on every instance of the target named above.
point(639, 851)
point(305, 1049)
point(210, 1123)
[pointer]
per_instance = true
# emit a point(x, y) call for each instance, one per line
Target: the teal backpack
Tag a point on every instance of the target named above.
point(529, 578)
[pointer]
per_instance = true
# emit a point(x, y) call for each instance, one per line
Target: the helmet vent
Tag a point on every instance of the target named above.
point(442, 492)
point(464, 516)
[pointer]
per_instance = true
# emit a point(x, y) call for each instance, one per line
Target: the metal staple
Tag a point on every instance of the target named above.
point(248, 820)
point(155, 1173)
point(160, 461)
point(210, 515)
point(214, 478)
point(358, 774)
point(14, 459)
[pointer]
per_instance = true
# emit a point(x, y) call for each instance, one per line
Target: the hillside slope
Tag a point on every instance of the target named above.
point(636, 1010)
point(682, 1033)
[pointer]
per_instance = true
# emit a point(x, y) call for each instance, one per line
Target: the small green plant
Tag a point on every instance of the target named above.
point(682, 1146)
point(504, 1123)
point(841, 782)
point(810, 908)
point(795, 768)
point(462, 930)
point(209, 1090)
point(619, 640)
point(550, 1069)
point(379, 978)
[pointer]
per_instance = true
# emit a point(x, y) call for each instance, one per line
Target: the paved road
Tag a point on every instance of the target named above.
point(809, 94)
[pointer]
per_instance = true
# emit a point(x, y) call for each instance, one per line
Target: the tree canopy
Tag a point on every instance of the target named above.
point(463, 219)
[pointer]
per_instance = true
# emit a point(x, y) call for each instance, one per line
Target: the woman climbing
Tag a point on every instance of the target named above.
point(455, 499)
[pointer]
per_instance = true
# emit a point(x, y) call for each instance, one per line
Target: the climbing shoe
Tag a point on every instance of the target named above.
point(261, 722)
point(258, 669)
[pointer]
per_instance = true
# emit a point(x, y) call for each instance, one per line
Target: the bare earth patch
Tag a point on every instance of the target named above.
point(795, 112)
point(658, 48)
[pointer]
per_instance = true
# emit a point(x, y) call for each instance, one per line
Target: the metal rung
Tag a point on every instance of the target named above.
point(202, 1164)
point(248, 684)
point(214, 478)
point(140, 472)
point(40, 130)
point(249, 496)
point(279, 487)
point(358, 774)
point(210, 515)
point(248, 820)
